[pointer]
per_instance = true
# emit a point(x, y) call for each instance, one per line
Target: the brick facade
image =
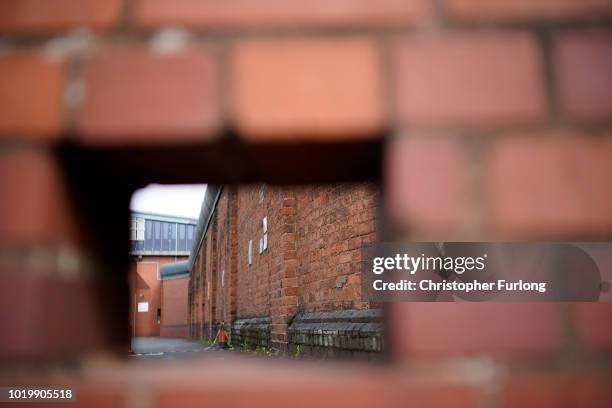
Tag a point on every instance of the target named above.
point(311, 263)
point(146, 286)
point(174, 308)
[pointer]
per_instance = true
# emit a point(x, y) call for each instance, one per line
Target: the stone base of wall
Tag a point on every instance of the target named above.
point(254, 330)
point(350, 333)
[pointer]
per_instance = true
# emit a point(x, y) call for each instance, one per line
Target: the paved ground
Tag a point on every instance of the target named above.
point(157, 347)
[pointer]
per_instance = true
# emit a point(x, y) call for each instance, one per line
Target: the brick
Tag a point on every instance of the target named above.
point(332, 387)
point(46, 16)
point(174, 297)
point(279, 13)
point(134, 96)
point(593, 322)
point(307, 89)
point(534, 390)
point(73, 319)
point(550, 184)
point(526, 10)
point(590, 390)
point(555, 390)
point(425, 184)
point(471, 79)
point(439, 393)
point(31, 96)
point(584, 74)
point(445, 329)
point(92, 395)
point(23, 328)
point(45, 314)
point(265, 395)
point(34, 205)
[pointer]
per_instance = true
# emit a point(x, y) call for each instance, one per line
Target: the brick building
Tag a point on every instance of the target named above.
point(158, 295)
point(278, 264)
point(174, 308)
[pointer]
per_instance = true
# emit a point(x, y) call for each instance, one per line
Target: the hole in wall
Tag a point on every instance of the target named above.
point(254, 268)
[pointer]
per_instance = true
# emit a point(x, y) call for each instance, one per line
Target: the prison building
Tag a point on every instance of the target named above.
point(280, 267)
point(158, 278)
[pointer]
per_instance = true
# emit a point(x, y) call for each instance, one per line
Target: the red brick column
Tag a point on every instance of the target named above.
point(284, 282)
point(233, 254)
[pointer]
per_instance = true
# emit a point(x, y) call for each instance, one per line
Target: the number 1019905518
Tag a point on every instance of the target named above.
point(33, 394)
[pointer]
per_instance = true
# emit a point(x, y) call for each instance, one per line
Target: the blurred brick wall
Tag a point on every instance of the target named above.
point(498, 117)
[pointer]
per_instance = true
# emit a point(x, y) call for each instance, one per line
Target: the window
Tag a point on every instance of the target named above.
point(148, 244)
point(182, 245)
point(264, 239)
point(140, 229)
point(165, 244)
point(250, 252)
point(157, 226)
point(137, 229)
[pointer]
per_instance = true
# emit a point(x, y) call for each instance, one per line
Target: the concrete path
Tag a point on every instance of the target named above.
point(158, 347)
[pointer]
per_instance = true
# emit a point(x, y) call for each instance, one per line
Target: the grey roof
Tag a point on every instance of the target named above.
point(208, 208)
point(174, 270)
point(166, 218)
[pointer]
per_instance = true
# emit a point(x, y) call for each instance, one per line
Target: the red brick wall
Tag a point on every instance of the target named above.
point(312, 262)
point(174, 308)
point(332, 223)
point(146, 286)
point(225, 296)
point(254, 203)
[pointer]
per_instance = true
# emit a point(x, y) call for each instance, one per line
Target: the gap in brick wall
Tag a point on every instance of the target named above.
point(318, 203)
point(272, 266)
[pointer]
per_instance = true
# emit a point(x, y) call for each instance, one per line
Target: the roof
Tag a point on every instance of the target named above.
point(166, 218)
point(174, 270)
point(208, 208)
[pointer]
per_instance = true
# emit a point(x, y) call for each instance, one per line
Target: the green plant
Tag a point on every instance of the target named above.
point(265, 351)
point(245, 345)
point(298, 351)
